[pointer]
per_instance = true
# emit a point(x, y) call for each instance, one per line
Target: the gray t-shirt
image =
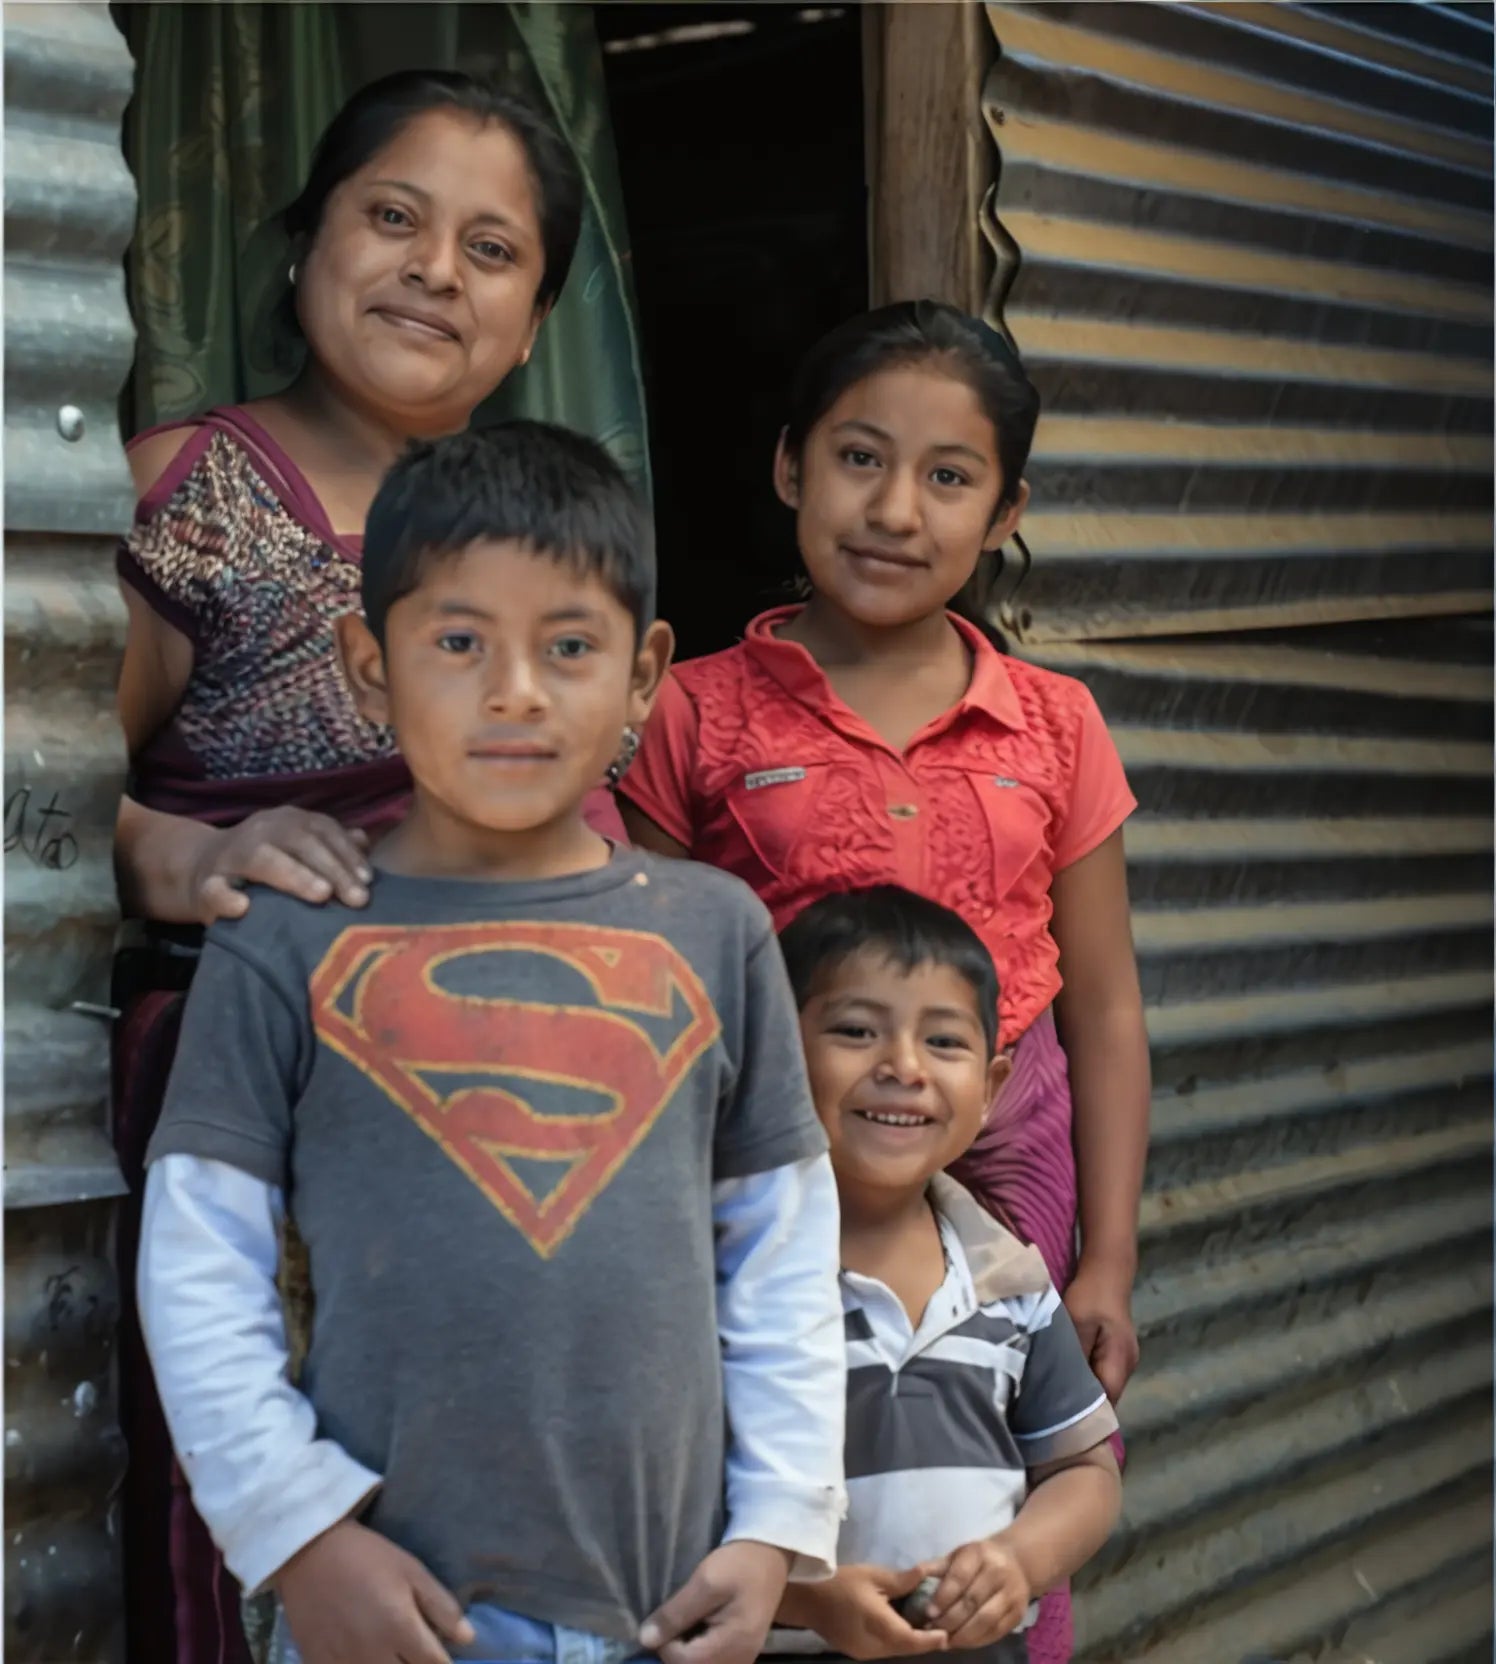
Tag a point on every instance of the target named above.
point(498, 1111)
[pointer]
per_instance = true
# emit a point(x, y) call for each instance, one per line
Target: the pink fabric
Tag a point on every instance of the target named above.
point(1022, 1166)
point(1022, 1169)
point(1052, 1639)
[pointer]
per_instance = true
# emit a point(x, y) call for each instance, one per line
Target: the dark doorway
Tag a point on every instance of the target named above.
point(740, 142)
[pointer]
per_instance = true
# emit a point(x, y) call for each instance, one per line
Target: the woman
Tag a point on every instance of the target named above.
point(433, 235)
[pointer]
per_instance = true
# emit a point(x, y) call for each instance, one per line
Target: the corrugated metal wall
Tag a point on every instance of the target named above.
point(1246, 250)
point(69, 210)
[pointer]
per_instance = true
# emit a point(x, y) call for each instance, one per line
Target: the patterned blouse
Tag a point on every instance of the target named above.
point(232, 547)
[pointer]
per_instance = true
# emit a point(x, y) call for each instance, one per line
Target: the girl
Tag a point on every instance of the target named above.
point(871, 736)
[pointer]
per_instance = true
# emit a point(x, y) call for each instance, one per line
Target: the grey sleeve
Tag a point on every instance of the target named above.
point(1061, 1408)
point(238, 1069)
point(766, 1118)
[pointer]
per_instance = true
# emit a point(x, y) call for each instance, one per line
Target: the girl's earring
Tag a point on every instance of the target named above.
point(291, 274)
point(627, 751)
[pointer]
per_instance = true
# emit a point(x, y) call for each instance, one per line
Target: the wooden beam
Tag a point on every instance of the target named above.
point(930, 159)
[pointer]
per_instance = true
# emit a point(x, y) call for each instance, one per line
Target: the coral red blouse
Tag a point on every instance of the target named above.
point(755, 765)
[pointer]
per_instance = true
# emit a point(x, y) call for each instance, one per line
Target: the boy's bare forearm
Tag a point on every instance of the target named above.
point(1069, 1514)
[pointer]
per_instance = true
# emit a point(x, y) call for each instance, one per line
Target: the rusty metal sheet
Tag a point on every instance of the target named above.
point(69, 208)
point(1247, 252)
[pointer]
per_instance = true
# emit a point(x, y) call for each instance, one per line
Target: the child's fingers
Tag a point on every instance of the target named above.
point(897, 1638)
point(965, 1564)
point(996, 1617)
point(896, 1585)
point(440, 1608)
point(690, 1605)
point(724, 1641)
point(416, 1644)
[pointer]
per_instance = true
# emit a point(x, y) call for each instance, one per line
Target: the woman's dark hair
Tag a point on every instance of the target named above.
point(905, 929)
point(916, 332)
point(547, 489)
point(377, 113)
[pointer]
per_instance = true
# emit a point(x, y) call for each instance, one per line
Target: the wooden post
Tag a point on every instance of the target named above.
point(930, 158)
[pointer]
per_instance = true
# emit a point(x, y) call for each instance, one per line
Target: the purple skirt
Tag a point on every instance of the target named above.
point(1022, 1165)
point(1022, 1170)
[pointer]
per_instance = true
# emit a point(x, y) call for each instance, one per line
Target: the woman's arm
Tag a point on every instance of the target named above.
point(1100, 1017)
point(154, 853)
point(171, 867)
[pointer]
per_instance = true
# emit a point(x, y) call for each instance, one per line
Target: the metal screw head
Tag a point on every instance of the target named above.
point(70, 423)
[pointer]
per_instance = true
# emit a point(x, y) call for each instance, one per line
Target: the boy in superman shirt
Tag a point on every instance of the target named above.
point(538, 1114)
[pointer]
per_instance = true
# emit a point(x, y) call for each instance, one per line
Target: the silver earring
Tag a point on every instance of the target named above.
point(627, 751)
point(292, 274)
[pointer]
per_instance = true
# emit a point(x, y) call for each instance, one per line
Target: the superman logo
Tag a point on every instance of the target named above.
point(469, 1068)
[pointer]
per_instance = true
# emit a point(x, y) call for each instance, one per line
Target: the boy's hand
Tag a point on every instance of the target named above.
point(352, 1597)
point(1099, 1300)
point(723, 1614)
point(983, 1594)
point(854, 1613)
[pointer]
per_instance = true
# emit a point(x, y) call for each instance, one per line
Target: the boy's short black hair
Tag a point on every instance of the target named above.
point(552, 491)
point(908, 930)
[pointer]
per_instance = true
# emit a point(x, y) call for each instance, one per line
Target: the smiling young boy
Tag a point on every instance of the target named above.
point(537, 1112)
point(976, 1433)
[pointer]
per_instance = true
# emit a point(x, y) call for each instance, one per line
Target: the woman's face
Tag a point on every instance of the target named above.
point(418, 294)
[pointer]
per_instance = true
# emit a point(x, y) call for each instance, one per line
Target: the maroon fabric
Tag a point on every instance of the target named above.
point(209, 1625)
point(144, 1040)
point(371, 795)
point(182, 1606)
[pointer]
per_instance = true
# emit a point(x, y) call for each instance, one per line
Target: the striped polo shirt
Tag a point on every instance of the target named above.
point(944, 1420)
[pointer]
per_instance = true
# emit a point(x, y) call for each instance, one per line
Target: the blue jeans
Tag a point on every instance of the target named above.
point(504, 1638)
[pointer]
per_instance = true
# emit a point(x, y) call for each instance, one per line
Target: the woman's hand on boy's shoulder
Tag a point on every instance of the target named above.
point(352, 1597)
point(855, 1613)
point(305, 855)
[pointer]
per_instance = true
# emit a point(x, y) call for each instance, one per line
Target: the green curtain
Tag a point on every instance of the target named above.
point(229, 101)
